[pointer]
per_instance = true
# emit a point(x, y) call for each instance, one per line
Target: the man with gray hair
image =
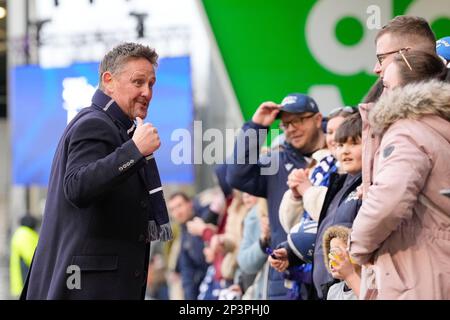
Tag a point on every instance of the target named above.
point(105, 203)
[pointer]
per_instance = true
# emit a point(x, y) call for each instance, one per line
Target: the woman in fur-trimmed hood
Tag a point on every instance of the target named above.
point(402, 232)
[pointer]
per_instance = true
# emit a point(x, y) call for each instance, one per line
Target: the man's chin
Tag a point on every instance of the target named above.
point(141, 114)
point(297, 144)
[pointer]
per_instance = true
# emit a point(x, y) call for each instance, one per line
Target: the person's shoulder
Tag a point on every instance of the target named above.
point(92, 118)
point(338, 292)
point(337, 180)
point(90, 122)
point(93, 114)
point(410, 130)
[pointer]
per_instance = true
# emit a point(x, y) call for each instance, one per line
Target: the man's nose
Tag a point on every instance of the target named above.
point(377, 68)
point(147, 92)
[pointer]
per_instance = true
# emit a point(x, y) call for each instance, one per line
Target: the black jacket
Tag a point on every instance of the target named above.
point(96, 213)
point(346, 212)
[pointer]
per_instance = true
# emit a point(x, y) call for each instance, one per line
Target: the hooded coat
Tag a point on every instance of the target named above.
point(403, 226)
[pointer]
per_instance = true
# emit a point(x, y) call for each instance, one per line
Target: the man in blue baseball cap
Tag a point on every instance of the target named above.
point(301, 122)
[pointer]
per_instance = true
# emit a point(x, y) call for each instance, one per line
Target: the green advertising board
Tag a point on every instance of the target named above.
point(324, 48)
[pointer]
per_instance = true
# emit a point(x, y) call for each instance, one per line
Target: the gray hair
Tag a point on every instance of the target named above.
point(115, 59)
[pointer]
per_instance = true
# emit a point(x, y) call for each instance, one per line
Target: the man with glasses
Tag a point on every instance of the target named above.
point(400, 34)
point(301, 122)
point(302, 125)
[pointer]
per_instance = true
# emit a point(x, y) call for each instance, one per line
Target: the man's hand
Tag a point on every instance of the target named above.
point(281, 263)
point(146, 137)
point(196, 226)
point(304, 182)
point(266, 113)
point(298, 182)
point(292, 183)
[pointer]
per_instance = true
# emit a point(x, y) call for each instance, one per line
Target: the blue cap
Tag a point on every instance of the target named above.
point(298, 103)
point(443, 48)
point(302, 238)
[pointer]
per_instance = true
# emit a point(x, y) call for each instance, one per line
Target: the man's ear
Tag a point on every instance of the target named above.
point(107, 82)
point(318, 119)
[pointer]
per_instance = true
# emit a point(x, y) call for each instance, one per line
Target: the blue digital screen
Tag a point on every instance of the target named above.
point(41, 97)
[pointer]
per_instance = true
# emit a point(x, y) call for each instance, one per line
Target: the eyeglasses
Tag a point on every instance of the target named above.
point(295, 122)
point(336, 111)
point(382, 56)
point(404, 59)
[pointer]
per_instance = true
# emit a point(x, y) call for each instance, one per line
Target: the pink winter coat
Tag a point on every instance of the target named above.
point(403, 226)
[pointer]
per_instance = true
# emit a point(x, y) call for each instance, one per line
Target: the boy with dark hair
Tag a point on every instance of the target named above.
point(342, 202)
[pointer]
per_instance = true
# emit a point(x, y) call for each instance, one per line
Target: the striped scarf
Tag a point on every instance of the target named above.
point(158, 224)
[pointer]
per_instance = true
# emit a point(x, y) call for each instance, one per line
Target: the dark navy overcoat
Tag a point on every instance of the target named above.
point(96, 213)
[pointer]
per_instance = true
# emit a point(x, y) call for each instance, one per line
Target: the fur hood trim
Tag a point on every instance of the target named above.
point(412, 101)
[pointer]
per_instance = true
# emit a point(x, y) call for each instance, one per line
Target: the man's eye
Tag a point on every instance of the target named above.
point(138, 82)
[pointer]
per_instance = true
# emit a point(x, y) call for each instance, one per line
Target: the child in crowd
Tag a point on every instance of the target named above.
point(294, 256)
point(314, 182)
point(342, 203)
point(339, 265)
